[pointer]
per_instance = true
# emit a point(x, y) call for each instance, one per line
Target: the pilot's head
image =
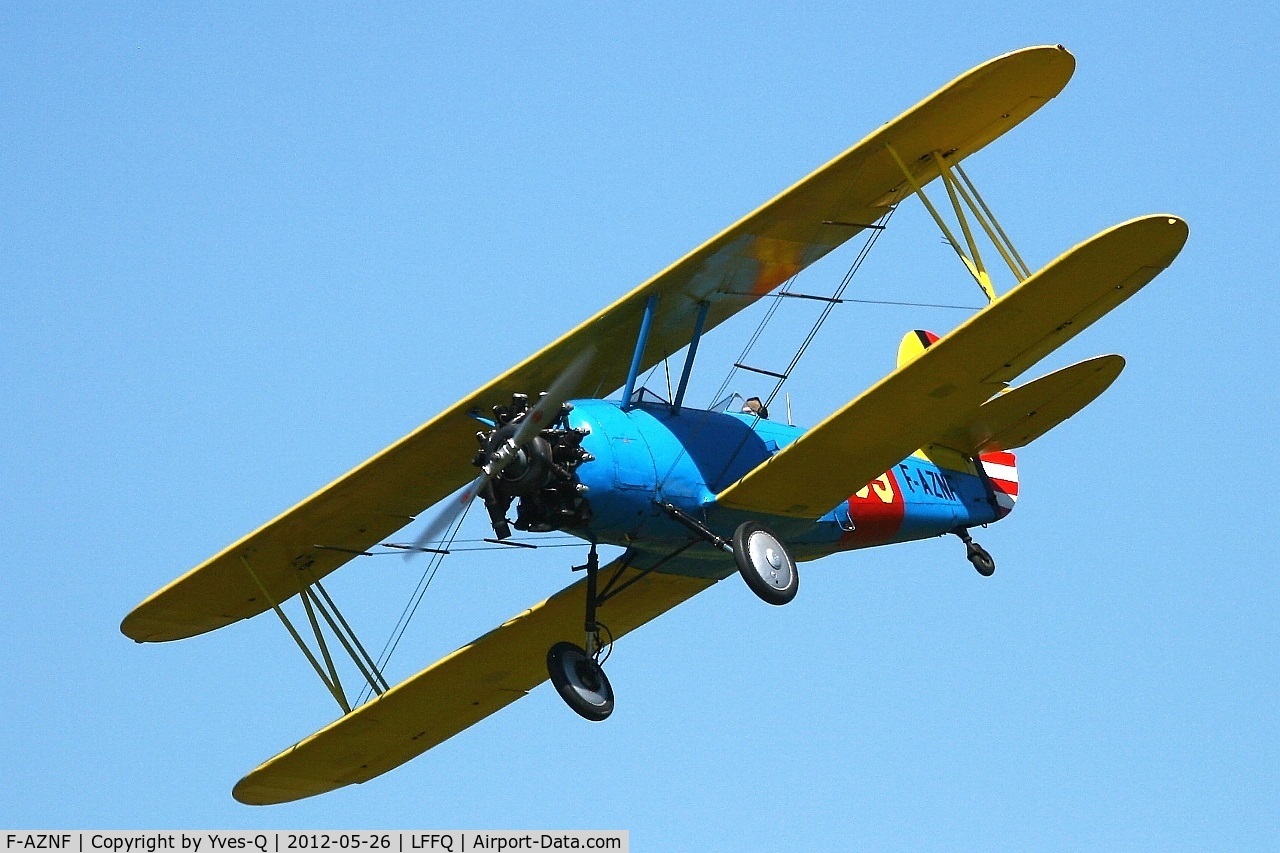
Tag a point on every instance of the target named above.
point(753, 406)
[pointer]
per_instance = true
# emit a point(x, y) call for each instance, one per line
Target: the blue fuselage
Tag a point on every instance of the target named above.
point(646, 455)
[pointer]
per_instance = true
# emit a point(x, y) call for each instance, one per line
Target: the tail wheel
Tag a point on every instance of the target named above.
point(764, 563)
point(982, 561)
point(580, 681)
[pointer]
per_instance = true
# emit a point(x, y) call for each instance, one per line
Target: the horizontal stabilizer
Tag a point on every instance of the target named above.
point(1021, 415)
point(457, 691)
point(942, 388)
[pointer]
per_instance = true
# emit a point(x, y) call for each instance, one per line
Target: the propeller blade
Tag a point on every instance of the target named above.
point(548, 407)
point(447, 515)
point(541, 416)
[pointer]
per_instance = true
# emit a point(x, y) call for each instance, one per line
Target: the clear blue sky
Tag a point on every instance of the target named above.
point(243, 249)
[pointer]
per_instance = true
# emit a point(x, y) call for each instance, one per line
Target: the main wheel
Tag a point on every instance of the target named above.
point(580, 681)
point(982, 561)
point(764, 563)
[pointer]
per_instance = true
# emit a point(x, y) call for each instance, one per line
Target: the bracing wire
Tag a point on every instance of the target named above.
point(830, 306)
point(755, 336)
point(415, 599)
point(764, 322)
point(867, 245)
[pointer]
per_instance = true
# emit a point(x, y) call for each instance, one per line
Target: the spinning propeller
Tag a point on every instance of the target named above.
point(493, 462)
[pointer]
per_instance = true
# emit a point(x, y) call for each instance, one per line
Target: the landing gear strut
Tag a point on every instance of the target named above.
point(575, 671)
point(763, 561)
point(982, 561)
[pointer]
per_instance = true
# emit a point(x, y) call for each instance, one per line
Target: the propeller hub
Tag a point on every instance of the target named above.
point(539, 471)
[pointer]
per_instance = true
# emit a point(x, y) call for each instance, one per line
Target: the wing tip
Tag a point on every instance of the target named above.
point(142, 626)
point(1056, 63)
point(251, 790)
point(1162, 234)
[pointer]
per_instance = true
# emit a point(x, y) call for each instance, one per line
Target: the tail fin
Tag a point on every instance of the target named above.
point(1001, 468)
point(913, 343)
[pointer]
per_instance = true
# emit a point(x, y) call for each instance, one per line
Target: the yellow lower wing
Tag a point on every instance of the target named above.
point(944, 387)
point(457, 691)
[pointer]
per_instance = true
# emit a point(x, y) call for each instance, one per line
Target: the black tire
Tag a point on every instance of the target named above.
point(765, 563)
point(580, 681)
point(982, 561)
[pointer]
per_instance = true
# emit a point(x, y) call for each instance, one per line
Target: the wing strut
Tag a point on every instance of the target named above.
point(699, 324)
point(646, 322)
point(316, 600)
point(964, 194)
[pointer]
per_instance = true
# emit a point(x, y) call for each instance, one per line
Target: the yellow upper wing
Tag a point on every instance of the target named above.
point(946, 385)
point(457, 691)
point(730, 271)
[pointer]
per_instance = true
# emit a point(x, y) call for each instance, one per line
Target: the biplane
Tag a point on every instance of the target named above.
point(694, 496)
